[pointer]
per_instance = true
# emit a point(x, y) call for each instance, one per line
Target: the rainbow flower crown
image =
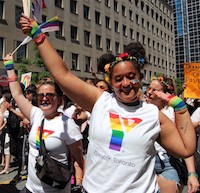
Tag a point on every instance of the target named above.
point(161, 79)
point(122, 57)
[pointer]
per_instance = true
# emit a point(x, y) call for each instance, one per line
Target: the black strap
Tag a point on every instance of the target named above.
point(41, 131)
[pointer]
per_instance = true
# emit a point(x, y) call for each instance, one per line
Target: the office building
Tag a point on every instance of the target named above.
point(187, 37)
point(89, 28)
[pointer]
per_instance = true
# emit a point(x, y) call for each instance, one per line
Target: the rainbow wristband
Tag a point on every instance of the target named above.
point(177, 103)
point(9, 65)
point(36, 31)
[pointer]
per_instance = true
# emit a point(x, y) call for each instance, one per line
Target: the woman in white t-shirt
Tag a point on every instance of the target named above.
point(168, 178)
point(121, 153)
point(60, 133)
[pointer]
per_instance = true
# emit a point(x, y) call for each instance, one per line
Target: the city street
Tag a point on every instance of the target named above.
point(5, 179)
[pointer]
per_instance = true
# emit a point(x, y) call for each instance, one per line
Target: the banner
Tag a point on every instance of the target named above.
point(192, 80)
point(26, 79)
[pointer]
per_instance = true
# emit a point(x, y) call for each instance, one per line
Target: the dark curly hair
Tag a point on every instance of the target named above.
point(103, 60)
point(137, 50)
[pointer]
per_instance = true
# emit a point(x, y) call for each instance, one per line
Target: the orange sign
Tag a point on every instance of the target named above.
point(192, 80)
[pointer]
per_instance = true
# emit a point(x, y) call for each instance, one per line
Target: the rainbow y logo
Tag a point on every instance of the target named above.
point(117, 129)
point(45, 134)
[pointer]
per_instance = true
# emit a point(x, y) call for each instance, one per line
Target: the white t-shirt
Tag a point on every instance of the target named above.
point(58, 133)
point(169, 112)
point(196, 115)
point(121, 153)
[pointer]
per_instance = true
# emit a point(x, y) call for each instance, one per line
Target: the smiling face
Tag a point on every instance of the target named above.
point(48, 101)
point(125, 81)
point(150, 95)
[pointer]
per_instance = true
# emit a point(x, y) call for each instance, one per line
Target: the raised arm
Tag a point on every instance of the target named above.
point(75, 88)
point(16, 91)
point(178, 139)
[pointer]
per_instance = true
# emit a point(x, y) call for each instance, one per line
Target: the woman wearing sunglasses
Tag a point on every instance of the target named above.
point(121, 154)
point(60, 133)
point(168, 178)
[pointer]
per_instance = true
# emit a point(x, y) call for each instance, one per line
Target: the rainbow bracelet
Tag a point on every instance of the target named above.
point(177, 103)
point(36, 31)
point(9, 64)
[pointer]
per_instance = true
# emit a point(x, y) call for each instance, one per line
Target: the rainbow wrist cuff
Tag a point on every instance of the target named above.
point(9, 65)
point(177, 103)
point(36, 31)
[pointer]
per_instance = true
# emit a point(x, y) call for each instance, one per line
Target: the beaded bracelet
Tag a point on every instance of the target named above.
point(177, 103)
point(8, 64)
point(193, 174)
point(12, 78)
point(40, 39)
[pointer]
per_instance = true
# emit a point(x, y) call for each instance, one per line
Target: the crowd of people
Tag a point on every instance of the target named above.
point(119, 138)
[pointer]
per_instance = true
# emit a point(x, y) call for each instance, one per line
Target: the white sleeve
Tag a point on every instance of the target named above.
point(196, 115)
point(74, 133)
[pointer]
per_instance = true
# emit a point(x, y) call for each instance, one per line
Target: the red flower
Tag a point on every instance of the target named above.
point(124, 55)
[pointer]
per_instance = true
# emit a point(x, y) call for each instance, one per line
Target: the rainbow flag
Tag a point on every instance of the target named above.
point(50, 25)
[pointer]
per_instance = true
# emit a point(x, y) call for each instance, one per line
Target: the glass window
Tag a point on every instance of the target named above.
point(108, 44)
point(74, 33)
point(61, 53)
point(97, 17)
point(107, 3)
point(86, 12)
point(124, 30)
point(117, 48)
point(59, 3)
point(116, 5)
point(107, 22)
point(87, 40)
point(130, 14)
point(60, 33)
point(131, 34)
point(116, 26)
point(87, 63)
point(123, 10)
point(73, 6)
point(1, 10)
point(21, 52)
point(18, 13)
point(98, 41)
point(1, 47)
point(74, 63)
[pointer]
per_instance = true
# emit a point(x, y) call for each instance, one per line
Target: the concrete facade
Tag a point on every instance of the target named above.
point(90, 28)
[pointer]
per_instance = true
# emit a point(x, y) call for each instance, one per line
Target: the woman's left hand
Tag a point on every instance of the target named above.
point(193, 184)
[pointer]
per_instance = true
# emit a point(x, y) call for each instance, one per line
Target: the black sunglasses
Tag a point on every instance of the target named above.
point(49, 96)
